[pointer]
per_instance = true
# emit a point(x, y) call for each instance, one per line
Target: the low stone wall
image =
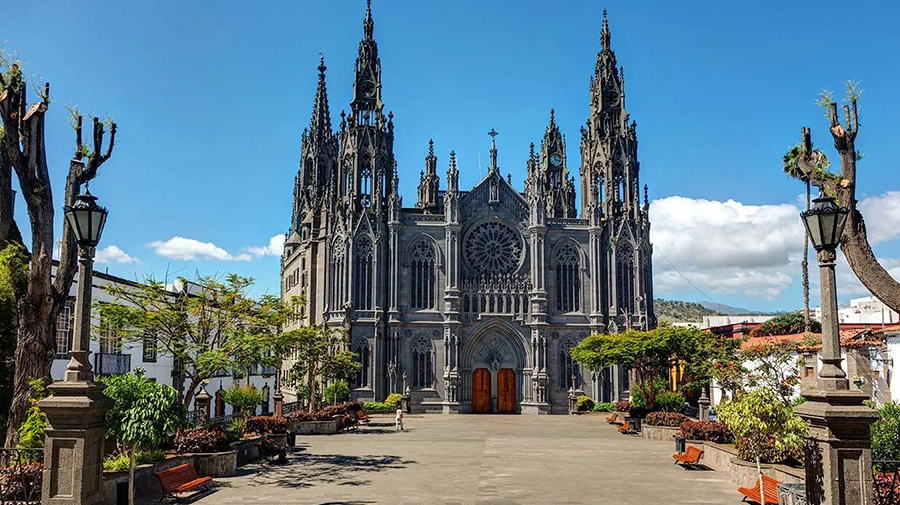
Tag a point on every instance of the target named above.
point(216, 464)
point(743, 473)
point(316, 427)
point(660, 433)
point(145, 481)
point(246, 449)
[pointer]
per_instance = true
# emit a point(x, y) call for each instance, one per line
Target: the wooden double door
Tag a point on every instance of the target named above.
point(506, 391)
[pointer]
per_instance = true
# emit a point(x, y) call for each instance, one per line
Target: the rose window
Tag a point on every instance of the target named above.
point(493, 248)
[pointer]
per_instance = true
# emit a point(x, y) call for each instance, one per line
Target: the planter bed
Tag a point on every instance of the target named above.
point(661, 433)
point(725, 457)
point(316, 427)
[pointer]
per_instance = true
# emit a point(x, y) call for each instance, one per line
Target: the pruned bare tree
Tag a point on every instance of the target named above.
point(38, 303)
point(812, 164)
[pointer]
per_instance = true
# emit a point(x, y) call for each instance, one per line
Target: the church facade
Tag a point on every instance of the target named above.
point(472, 298)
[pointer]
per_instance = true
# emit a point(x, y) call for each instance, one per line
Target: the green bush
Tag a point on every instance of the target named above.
point(605, 407)
point(244, 399)
point(338, 392)
point(377, 406)
point(235, 429)
point(885, 435)
point(118, 462)
point(669, 401)
point(670, 419)
point(266, 424)
point(393, 401)
point(637, 396)
point(584, 403)
point(31, 432)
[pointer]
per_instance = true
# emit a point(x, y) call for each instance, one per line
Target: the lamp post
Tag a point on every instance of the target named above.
point(76, 413)
point(838, 452)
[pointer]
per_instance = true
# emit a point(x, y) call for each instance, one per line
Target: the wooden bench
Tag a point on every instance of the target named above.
point(770, 491)
point(690, 458)
point(362, 417)
point(181, 479)
point(625, 428)
point(612, 418)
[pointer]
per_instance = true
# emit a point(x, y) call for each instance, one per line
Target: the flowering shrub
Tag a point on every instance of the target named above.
point(670, 419)
point(706, 430)
point(326, 413)
point(584, 403)
point(266, 424)
point(393, 400)
point(605, 407)
point(201, 440)
point(623, 406)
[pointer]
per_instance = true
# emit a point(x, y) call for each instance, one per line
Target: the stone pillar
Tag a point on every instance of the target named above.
point(278, 399)
point(704, 405)
point(201, 405)
point(838, 451)
point(76, 414)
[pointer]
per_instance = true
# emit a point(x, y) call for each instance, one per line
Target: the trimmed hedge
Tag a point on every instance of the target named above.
point(201, 440)
point(266, 424)
point(377, 407)
point(670, 419)
point(605, 407)
point(711, 431)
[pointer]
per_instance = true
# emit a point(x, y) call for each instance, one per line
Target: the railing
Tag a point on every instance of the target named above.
point(221, 421)
point(495, 295)
point(691, 411)
point(287, 408)
point(886, 481)
point(21, 475)
point(112, 363)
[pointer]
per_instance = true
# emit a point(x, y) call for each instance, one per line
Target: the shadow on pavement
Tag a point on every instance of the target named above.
point(307, 470)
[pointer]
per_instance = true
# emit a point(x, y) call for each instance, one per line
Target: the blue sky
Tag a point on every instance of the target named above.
point(211, 98)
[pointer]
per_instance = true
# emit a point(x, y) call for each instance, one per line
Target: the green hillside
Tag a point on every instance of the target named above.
point(675, 311)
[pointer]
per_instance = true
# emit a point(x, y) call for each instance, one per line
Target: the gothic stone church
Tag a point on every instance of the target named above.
point(471, 299)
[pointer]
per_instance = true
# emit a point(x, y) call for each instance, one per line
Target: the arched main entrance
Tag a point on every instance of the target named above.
point(493, 360)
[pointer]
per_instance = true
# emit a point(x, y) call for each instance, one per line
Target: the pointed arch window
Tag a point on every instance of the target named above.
point(625, 278)
point(362, 269)
point(423, 364)
point(362, 376)
point(568, 282)
point(569, 370)
point(422, 276)
point(365, 185)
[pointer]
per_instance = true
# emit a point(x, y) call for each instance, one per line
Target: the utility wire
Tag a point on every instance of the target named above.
point(656, 249)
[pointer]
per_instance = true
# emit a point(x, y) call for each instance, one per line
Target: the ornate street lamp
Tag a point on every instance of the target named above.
point(838, 441)
point(825, 224)
point(76, 412)
point(86, 219)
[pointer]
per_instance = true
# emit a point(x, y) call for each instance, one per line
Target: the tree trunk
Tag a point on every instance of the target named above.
point(762, 492)
point(131, 475)
point(189, 394)
point(804, 266)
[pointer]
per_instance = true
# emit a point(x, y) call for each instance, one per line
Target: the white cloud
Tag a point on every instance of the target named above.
point(113, 254)
point(881, 213)
point(725, 247)
point(752, 250)
point(181, 248)
point(274, 248)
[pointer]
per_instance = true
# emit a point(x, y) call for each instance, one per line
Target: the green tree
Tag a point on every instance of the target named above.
point(787, 324)
point(775, 367)
point(760, 417)
point(318, 357)
point(651, 354)
point(144, 415)
point(244, 399)
point(13, 270)
point(207, 326)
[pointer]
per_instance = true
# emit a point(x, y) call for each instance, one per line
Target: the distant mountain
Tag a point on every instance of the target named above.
point(676, 311)
point(728, 310)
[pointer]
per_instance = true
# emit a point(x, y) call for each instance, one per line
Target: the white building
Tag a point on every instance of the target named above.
point(868, 310)
point(714, 321)
point(111, 354)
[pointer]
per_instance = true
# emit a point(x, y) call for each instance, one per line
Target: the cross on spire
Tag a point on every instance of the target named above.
point(493, 133)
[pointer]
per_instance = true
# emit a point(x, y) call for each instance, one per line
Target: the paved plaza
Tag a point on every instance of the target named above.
point(477, 459)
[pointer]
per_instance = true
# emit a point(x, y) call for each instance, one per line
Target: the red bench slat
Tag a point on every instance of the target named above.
point(181, 478)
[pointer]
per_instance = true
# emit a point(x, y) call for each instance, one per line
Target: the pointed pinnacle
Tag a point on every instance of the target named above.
point(431, 147)
point(322, 68)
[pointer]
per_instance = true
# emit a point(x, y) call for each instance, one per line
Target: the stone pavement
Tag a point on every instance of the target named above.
point(463, 459)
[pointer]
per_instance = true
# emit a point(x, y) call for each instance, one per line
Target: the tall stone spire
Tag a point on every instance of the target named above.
point(367, 102)
point(320, 122)
point(604, 34)
point(429, 181)
point(369, 24)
